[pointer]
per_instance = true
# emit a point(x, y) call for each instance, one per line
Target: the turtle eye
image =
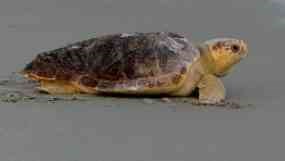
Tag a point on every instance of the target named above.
point(235, 48)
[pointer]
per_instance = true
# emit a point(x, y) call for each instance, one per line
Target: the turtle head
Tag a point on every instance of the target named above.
point(225, 53)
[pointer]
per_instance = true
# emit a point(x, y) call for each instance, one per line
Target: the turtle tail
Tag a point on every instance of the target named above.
point(27, 68)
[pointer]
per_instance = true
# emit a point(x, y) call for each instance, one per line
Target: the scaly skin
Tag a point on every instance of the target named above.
point(218, 56)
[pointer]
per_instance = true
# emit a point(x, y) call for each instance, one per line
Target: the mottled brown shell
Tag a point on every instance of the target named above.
point(118, 61)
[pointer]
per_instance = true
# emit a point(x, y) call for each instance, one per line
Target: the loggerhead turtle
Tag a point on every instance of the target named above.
point(154, 63)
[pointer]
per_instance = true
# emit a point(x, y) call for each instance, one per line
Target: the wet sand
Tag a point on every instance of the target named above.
point(41, 127)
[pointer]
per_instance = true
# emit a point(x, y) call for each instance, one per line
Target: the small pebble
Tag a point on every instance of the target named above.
point(233, 105)
point(166, 100)
point(74, 98)
point(148, 101)
point(185, 100)
point(4, 82)
point(29, 98)
point(53, 99)
point(251, 105)
point(195, 102)
point(12, 97)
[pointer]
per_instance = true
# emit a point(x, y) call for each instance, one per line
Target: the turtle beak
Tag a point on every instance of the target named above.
point(244, 49)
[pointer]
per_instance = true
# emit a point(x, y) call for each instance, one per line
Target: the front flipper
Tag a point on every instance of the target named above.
point(211, 90)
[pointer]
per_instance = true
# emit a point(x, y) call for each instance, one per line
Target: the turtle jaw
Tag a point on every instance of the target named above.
point(244, 49)
point(226, 53)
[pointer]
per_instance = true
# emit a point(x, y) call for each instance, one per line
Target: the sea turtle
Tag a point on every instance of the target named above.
point(153, 63)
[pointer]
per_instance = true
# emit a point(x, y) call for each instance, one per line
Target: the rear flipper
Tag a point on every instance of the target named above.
point(58, 87)
point(85, 84)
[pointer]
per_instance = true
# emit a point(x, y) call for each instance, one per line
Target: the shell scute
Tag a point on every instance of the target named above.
point(118, 61)
point(88, 81)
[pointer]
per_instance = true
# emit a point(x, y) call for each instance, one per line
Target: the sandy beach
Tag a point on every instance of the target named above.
point(41, 127)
